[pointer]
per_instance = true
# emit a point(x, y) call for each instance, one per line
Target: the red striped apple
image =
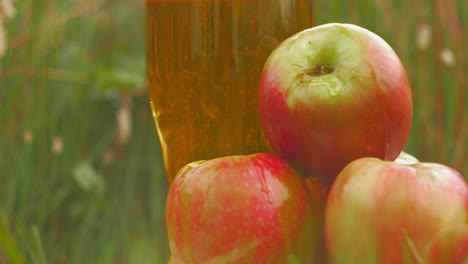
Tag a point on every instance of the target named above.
point(243, 209)
point(451, 247)
point(390, 213)
point(334, 93)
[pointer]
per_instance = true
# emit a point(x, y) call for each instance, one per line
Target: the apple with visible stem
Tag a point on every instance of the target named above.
point(243, 209)
point(387, 212)
point(332, 94)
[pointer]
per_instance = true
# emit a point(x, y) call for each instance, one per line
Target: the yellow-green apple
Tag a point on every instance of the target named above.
point(242, 209)
point(390, 213)
point(334, 93)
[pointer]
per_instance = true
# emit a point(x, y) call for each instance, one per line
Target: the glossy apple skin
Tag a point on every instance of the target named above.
point(322, 123)
point(385, 212)
point(242, 209)
point(451, 248)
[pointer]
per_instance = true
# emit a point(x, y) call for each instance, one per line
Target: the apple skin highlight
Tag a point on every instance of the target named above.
point(334, 93)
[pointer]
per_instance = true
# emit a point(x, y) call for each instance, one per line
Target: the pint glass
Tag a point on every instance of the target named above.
point(204, 61)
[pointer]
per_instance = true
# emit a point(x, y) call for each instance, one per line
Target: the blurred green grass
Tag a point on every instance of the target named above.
point(75, 186)
point(81, 175)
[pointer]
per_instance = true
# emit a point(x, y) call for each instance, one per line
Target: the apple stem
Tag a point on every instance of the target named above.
point(321, 69)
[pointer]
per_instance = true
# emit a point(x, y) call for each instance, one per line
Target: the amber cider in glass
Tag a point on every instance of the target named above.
point(204, 61)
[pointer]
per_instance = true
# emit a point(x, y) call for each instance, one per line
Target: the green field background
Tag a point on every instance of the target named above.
point(81, 175)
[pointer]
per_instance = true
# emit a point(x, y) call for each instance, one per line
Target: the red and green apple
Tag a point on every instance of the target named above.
point(332, 94)
point(390, 213)
point(243, 209)
point(451, 247)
